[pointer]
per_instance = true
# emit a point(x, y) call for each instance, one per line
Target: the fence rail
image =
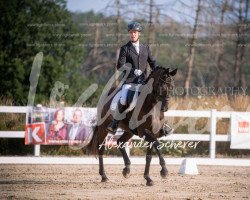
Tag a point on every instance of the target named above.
point(212, 138)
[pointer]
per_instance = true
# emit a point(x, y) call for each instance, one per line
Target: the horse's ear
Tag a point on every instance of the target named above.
point(167, 71)
point(173, 72)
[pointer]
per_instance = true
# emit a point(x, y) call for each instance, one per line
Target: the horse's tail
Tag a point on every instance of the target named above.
point(92, 147)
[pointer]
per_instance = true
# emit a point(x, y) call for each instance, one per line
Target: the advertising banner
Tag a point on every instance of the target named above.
point(240, 130)
point(59, 126)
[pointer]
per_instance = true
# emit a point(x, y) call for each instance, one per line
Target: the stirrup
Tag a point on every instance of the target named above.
point(112, 128)
point(167, 130)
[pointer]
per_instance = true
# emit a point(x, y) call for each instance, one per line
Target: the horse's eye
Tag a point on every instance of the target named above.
point(168, 79)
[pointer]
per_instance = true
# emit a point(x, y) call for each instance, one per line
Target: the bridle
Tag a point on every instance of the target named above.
point(158, 94)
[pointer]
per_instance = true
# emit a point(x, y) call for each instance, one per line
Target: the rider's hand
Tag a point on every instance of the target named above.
point(155, 67)
point(138, 72)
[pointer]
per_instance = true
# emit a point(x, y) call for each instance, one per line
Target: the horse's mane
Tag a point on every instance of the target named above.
point(155, 72)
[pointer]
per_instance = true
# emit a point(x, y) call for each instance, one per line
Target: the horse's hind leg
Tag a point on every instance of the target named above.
point(121, 145)
point(147, 167)
point(101, 166)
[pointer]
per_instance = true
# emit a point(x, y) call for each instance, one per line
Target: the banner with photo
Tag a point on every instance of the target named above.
point(240, 130)
point(59, 126)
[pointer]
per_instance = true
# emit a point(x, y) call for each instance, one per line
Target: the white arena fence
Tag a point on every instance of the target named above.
point(212, 138)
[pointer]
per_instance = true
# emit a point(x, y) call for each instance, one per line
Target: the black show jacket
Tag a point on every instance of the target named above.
point(128, 54)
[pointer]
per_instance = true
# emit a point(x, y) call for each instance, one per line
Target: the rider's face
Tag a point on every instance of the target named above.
point(134, 35)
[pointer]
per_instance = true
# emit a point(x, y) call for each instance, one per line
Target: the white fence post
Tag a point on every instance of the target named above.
point(212, 147)
point(37, 150)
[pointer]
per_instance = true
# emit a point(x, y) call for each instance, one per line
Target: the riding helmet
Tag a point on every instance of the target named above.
point(134, 26)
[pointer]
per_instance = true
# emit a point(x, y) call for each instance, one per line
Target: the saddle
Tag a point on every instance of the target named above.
point(132, 97)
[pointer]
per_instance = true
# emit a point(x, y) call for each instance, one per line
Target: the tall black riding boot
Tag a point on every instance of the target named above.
point(114, 124)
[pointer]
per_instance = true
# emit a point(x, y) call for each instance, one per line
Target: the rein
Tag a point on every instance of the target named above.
point(157, 93)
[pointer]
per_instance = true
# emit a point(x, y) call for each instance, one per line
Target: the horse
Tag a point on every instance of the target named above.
point(146, 120)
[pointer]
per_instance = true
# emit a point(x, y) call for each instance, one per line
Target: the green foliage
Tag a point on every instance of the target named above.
point(27, 28)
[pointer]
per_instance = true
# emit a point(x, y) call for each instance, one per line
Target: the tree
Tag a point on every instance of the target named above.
point(190, 59)
point(28, 27)
point(220, 48)
point(240, 42)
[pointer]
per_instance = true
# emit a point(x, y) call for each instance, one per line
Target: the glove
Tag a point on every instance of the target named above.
point(155, 67)
point(138, 72)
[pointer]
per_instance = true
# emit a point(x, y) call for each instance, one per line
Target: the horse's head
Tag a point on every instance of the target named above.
point(163, 85)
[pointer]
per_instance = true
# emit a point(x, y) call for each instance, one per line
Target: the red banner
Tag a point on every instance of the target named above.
point(35, 133)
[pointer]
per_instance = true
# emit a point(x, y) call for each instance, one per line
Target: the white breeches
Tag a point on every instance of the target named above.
point(124, 94)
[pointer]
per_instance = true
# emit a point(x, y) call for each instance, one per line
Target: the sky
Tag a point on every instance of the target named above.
point(86, 5)
point(99, 6)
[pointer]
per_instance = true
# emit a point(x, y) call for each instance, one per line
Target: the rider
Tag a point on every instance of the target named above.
point(138, 55)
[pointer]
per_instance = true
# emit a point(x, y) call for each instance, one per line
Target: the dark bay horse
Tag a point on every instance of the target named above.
point(145, 120)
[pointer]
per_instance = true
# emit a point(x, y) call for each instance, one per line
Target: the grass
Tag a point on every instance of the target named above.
point(201, 125)
point(221, 103)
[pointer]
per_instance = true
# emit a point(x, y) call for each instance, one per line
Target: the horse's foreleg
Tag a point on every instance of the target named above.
point(121, 144)
point(147, 167)
point(101, 166)
point(164, 171)
point(157, 146)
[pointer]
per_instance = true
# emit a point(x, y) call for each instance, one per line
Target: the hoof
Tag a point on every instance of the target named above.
point(150, 183)
point(126, 172)
point(164, 173)
point(104, 179)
